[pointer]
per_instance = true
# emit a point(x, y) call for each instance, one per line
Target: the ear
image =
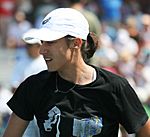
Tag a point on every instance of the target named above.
point(77, 43)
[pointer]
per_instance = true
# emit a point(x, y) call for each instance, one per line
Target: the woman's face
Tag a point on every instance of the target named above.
point(57, 54)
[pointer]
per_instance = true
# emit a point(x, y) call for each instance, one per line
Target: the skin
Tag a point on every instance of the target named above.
point(67, 60)
point(16, 126)
point(33, 50)
point(144, 131)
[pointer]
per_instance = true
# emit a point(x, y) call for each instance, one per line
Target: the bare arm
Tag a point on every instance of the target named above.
point(145, 130)
point(16, 126)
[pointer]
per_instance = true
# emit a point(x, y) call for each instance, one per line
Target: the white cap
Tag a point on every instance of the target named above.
point(30, 37)
point(62, 22)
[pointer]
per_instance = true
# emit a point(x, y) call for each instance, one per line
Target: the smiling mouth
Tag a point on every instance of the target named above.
point(47, 59)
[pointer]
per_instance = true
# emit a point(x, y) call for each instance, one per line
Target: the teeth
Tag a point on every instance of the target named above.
point(48, 59)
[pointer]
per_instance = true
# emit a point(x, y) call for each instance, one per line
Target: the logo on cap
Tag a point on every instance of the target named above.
point(29, 38)
point(45, 21)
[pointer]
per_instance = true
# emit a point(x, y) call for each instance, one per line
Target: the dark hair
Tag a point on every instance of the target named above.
point(89, 47)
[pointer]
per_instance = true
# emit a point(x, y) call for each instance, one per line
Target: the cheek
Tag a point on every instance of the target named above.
point(67, 56)
point(63, 57)
point(60, 57)
point(64, 53)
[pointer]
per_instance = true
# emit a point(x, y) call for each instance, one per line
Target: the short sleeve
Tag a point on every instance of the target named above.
point(131, 111)
point(20, 103)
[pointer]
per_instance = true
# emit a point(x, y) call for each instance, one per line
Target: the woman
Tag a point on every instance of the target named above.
point(73, 98)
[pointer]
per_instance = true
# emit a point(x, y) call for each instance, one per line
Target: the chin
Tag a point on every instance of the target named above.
point(50, 69)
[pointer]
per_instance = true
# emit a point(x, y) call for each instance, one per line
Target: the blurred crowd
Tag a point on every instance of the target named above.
point(123, 28)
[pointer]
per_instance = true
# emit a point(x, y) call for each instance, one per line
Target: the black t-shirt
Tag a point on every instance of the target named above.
point(91, 110)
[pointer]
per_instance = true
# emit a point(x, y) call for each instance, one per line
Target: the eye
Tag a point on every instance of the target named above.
point(48, 43)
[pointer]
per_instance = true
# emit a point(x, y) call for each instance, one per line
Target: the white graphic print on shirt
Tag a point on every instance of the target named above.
point(54, 118)
point(87, 127)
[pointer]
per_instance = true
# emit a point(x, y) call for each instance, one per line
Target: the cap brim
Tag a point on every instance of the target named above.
point(31, 40)
point(30, 37)
point(45, 34)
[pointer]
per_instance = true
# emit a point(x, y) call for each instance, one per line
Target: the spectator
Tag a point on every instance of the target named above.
point(94, 22)
point(6, 12)
point(34, 66)
point(111, 11)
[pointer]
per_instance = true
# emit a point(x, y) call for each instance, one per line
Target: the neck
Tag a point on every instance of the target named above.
point(81, 74)
point(76, 70)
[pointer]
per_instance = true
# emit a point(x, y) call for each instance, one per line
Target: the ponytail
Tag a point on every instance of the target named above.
point(90, 46)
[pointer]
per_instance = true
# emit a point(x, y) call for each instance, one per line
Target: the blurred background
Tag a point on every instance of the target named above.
point(123, 28)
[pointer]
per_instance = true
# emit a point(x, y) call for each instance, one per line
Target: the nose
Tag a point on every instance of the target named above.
point(43, 49)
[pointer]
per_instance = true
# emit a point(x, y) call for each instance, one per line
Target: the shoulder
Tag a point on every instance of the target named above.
point(116, 81)
point(40, 77)
point(89, 14)
point(35, 83)
point(109, 76)
point(116, 85)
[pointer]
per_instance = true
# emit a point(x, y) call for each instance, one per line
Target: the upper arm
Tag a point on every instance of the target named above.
point(144, 131)
point(16, 126)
